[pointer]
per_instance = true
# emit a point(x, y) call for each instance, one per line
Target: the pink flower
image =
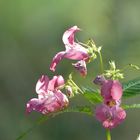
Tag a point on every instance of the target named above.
point(111, 90)
point(81, 67)
point(110, 116)
point(68, 36)
point(73, 50)
point(50, 98)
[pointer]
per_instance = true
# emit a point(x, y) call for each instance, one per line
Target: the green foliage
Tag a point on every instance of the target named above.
point(131, 106)
point(92, 95)
point(131, 88)
point(113, 72)
point(80, 109)
point(41, 120)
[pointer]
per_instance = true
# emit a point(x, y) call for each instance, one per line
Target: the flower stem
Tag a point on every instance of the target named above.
point(101, 62)
point(108, 134)
point(76, 86)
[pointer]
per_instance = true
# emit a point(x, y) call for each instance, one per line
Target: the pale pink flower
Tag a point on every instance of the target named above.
point(111, 90)
point(50, 98)
point(110, 117)
point(73, 50)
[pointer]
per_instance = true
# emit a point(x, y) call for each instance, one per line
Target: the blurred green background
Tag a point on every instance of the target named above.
point(30, 35)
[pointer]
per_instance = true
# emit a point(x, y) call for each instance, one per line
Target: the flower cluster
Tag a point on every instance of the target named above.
point(74, 51)
point(109, 112)
point(51, 97)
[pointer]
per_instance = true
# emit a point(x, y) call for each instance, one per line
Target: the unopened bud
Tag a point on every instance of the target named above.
point(99, 80)
point(81, 67)
point(69, 91)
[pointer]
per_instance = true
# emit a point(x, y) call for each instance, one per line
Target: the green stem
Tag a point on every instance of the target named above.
point(108, 134)
point(76, 86)
point(40, 121)
point(101, 62)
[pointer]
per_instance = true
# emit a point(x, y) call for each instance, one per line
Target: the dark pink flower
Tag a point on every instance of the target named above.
point(50, 98)
point(110, 116)
point(111, 90)
point(81, 67)
point(73, 50)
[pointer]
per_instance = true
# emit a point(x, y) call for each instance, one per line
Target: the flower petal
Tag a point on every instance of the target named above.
point(116, 90)
point(106, 89)
point(77, 53)
point(51, 85)
point(59, 82)
point(34, 104)
point(62, 99)
point(51, 103)
point(56, 101)
point(42, 84)
point(110, 116)
point(57, 58)
point(111, 90)
point(68, 36)
point(56, 82)
point(100, 112)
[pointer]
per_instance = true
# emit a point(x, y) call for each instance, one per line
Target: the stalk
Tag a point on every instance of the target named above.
point(108, 134)
point(101, 62)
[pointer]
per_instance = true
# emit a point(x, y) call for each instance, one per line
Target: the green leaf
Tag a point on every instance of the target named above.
point(131, 88)
point(134, 66)
point(80, 109)
point(41, 120)
point(131, 106)
point(92, 95)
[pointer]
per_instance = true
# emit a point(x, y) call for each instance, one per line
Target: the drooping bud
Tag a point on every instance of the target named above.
point(81, 67)
point(69, 91)
point(99, 80)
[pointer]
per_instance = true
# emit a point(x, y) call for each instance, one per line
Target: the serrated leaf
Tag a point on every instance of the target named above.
point(80, 109)
point(92, 95)
point(131, 88)
point(131, 106)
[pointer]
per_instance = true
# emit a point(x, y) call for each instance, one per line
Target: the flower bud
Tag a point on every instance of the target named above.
point(69, 91)
point(81, 67)
point(99, 80)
